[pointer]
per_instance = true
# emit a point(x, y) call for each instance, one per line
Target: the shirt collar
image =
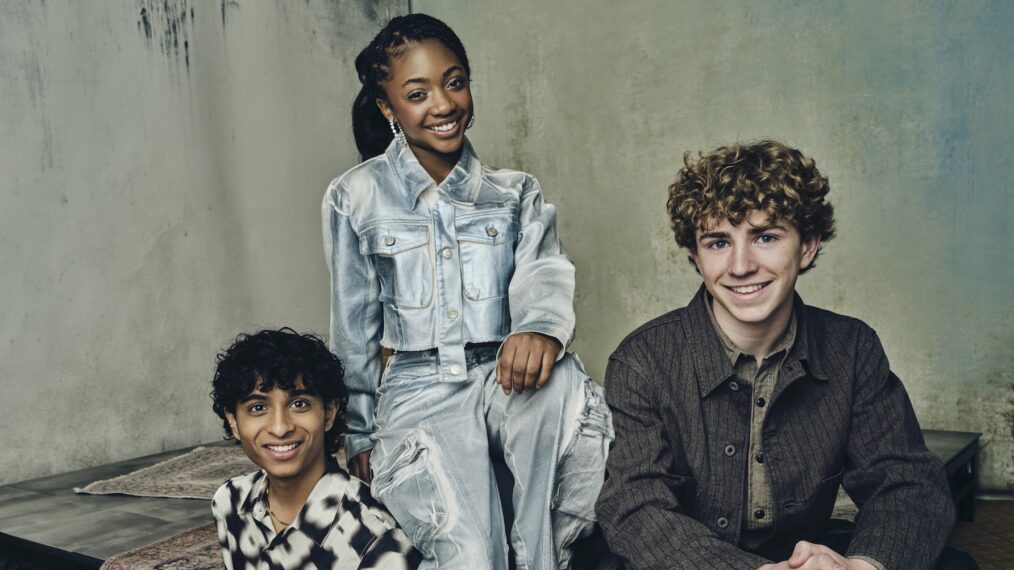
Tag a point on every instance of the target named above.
point(461, 185)
point(711, 359)
point(317, 516)
point(784, 343)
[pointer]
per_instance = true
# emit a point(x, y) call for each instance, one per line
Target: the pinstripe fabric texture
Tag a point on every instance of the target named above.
point(676, 475)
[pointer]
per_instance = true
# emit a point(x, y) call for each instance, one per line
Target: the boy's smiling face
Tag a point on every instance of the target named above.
point(750, 269)
point(283, 432)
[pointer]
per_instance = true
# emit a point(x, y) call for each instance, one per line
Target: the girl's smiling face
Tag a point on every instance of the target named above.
point(429, 96)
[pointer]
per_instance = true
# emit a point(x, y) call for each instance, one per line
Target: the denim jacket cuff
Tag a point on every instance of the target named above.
point(356, 443)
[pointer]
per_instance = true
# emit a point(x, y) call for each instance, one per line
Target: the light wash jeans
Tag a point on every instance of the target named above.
point(432, 460)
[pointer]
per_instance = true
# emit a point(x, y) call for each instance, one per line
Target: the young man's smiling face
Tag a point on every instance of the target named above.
point(750, 270)
point(284, 432)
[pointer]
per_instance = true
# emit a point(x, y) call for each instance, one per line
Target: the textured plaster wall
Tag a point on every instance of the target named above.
point(906, 106)
point(161, 170)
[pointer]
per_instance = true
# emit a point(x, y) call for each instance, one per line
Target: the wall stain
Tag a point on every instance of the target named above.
point(167, 25)
point(225, 5)
point(33, 73)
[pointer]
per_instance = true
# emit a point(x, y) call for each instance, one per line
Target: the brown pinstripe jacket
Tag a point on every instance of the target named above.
point(676, 477)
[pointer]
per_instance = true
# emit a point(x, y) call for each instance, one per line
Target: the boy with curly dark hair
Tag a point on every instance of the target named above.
point(282, 396)
point(738, 416)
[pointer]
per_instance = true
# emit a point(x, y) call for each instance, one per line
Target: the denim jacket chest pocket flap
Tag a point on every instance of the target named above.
point(486, 241)
point(402, 260)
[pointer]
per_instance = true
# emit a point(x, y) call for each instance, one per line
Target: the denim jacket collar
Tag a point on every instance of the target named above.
point(713, 364)
point(461, 185)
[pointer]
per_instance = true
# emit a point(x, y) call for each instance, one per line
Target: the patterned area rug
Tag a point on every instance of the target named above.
point(194, 475)
point(195, 549)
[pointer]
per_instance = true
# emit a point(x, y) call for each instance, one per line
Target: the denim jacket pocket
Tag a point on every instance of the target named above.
point(486, 244)
point(402, 260)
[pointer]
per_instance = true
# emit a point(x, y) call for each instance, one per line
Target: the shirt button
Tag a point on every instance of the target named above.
point(758, 514)
point(722, 522)
point(734, 386)
point(730, 450)
point(455, 370)
point(759, 457)
point(446, 252)
point(389, 240)
point(452, 314)
point(761, 402)
point(491, 231)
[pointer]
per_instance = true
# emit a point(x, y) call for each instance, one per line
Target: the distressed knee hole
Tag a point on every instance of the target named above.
point(581, 469)
point(407, 482)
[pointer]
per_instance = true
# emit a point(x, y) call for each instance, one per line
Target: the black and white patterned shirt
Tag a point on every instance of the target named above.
point(341, 527)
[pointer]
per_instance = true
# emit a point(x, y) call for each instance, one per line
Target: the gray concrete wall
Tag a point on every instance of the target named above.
point(906, 106)
point(162, 168)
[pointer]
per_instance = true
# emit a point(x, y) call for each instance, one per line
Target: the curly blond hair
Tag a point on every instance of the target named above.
point(731, 181)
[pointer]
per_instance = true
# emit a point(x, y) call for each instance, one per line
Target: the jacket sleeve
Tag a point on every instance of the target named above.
point(356, 317)
point(639, 508)
point(541, 291)
point(905, 509)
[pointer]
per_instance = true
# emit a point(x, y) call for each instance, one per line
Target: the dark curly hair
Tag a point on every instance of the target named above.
point(373, 65)
point(277, 358)
point(731, 181)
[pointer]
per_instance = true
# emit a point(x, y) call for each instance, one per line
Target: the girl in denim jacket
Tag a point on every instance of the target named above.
point(457, 268)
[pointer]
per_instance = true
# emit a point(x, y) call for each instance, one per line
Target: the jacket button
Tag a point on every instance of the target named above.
point(730, 450)
point(452, 314)
point(455, 370)
point(722, 522)
point(734, 386)
point(761, 402)
point(759, 457)
point(758, 514)
point(491, 231)
point(389, 240)
point(446, 252)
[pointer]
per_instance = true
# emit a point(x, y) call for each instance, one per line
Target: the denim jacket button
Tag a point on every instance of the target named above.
point(722, 522)
point(389, 240)
point(455, 370)
point(446, 252)
point(730, 450)
point(491, 231)
point(452, 314)
point(734, 386)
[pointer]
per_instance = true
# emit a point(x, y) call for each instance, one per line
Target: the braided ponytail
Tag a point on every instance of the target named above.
point(373, 66)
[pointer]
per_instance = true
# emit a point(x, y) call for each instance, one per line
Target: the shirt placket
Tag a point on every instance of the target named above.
point(448, 269)
point(758, 488)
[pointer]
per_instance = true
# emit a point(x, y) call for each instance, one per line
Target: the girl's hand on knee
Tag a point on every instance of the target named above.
point(526, 361)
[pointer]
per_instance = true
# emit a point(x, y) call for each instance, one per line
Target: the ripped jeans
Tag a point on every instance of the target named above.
point(432, 466)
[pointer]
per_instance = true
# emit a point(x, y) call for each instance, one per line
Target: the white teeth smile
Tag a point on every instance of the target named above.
point(443, 128)
point(747, 289)
point(282, 448)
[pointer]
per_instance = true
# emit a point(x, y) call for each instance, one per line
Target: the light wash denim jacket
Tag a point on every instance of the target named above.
point(483, 263)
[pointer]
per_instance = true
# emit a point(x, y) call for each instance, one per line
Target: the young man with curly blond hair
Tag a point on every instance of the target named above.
point(738, 416)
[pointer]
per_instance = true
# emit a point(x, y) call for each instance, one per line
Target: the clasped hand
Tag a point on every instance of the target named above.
point(526, 361)
point(809, 556)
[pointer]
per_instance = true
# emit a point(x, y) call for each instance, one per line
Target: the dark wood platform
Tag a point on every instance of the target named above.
point(45, 516)
point(959, 450)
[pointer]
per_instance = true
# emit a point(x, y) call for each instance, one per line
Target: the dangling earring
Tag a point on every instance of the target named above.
point(398, 133)
point(471, 121)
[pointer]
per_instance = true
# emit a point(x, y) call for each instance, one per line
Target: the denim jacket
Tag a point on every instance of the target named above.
point(483, 263)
